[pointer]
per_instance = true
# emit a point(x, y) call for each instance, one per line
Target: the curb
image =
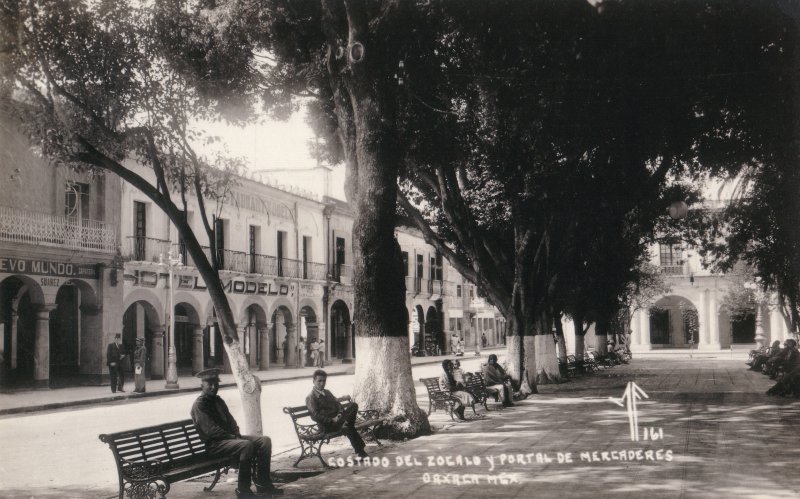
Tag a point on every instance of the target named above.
point(166, 393)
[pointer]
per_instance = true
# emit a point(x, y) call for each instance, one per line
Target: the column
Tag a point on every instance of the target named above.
point(635, 339)
point(713, 322)
point(761, 338)
point(290, 358)
point(644, 332)
point(41, 354)
point(263, 362)
point(350, 331)
point(702, 319)
point(197, 349)
point(777, 326)
point(14, 325)
point(280, 337)
point(157, 353)
point(242, 331)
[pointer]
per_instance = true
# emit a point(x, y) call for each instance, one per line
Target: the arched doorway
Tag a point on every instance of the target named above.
point(74, 323)
point(187, 320)
point(281, 322)
point(743, 328)
point(674, 322)
point(340, 323)
point(309, 330)
point(141, 320)
point(434, 335)
point(255, 323)
point(418, 326)
point(20, 302)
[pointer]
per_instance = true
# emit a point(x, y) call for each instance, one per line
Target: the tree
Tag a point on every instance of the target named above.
point(90, 84)
point(338, 56)
point(540, 152)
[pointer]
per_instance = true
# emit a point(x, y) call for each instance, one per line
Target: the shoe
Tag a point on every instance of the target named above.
point(362, 454)
point(268, 490)
point(245, 493)
point(121, 390)
point(508, 404)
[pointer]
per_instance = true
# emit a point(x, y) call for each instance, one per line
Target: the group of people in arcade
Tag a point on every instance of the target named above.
point(781, 364)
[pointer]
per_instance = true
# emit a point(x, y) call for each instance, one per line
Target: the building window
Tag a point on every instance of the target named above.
point(306, 255)
point(458, 290)
point(281, 251)
point(76, 201)
point(670, 256)
point(139, 230)
point(219, 241)
point(252, 247)
point(405, 263)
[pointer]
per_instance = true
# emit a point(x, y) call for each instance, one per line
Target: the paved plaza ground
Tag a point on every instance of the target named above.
point(711, 432)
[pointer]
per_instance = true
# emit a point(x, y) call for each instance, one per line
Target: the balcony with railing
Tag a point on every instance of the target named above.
point(435, 287)
point(677, 270)
point(42, 229)
point(144, 249)
point(341, 273)
point(253, 263)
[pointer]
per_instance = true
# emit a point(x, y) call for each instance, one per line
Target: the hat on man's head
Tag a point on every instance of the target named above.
point(117, 336)
point(139, 340)
point(209, 374)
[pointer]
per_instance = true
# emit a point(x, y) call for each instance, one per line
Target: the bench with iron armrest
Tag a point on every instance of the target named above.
point(439, 398)
point(149, 459)
point(311, 435)
point(567, 367)
point(474, 384)
point(602, 361)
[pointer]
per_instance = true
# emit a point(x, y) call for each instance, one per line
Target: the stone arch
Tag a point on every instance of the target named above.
point(418, 325)
point(187, 322)
point(434, 330)
point(283, 334)
point(674, 322)
point(21, 302)
point(254, 331)
point(142, 319)
point(76, 328)
point(149, 297)
point(340, 323)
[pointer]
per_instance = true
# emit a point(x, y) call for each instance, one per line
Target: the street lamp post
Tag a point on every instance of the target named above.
point(760, 297)
point(172, 357)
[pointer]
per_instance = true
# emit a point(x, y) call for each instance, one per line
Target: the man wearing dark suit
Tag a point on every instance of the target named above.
point(218, 429)
point(114, 356)
point(329, 413)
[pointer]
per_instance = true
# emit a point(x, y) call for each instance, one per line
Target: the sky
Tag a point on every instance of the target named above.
point(281, 146)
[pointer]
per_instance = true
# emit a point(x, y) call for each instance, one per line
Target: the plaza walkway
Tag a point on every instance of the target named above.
point(711, 432)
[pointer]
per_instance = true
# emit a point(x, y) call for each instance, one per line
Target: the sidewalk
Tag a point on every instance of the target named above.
point(24, 401)
point(711, 432)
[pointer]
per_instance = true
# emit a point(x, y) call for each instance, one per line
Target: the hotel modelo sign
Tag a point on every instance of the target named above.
point(51, 271)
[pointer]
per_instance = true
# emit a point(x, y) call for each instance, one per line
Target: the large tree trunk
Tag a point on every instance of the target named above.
point(547, 370)
point(383, 378)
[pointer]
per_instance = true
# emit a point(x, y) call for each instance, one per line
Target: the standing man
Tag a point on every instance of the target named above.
point(453, 343)
point(114, 356)
point(219, 431)
point(321, 354)
point(331, 416)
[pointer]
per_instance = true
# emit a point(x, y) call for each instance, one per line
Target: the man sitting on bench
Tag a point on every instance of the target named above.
point(331, 416)
point(219, 431)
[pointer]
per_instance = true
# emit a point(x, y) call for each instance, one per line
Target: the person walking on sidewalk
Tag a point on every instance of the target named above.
point(114, 356)
point(331, 416)
point(321, 355)
point(139, 364)
point(218, 429)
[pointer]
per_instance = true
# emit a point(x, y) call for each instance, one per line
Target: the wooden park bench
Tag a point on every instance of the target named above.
point(149, 459)
point(311, 436)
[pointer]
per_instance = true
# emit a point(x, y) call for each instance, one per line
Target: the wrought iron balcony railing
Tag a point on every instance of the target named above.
point(144, 249)
point(22, 226)
point(673, 270)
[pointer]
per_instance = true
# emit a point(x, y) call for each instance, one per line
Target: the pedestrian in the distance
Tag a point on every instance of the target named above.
point(321, 354)
point(314, 351)
point(301, 352)
point(139, 364)
point(114, 356)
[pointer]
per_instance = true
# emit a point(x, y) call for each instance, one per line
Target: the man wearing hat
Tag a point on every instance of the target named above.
point(219, 431)
point(114, 356)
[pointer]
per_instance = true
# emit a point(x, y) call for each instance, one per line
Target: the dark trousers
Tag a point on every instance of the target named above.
point(117, 377)
point(348, 426)
point(246, 449)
